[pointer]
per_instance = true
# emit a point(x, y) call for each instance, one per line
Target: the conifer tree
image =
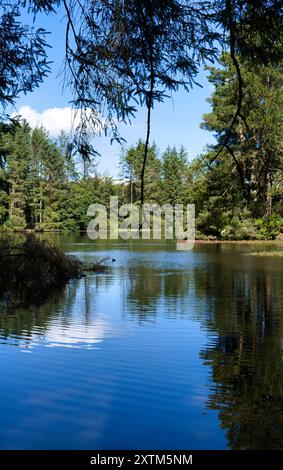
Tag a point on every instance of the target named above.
point(255, 149)
point(173, 175)
point(18, 167)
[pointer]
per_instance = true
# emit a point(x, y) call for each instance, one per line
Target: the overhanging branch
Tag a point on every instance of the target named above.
point(233, 56)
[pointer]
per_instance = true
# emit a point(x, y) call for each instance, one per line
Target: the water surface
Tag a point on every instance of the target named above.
point(170, 350)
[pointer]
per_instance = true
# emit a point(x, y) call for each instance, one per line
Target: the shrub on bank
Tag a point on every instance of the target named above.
point(270, 227)
point(241, 226)
point(240, 229)
point(31, 270)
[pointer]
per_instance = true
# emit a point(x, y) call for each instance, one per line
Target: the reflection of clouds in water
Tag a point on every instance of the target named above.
point(79, 336)
point(74, 335)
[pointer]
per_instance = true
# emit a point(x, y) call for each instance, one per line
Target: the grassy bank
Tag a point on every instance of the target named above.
point(277, 253)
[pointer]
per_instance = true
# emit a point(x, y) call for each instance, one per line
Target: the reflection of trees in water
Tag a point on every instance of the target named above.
point(241, 307)
point(240, 304)
point(144, 291)
point(246, 356)
point(22, 323)
point(146, 287)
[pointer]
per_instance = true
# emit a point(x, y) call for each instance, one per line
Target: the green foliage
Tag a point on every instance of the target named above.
point(269, 227)
point(125, 54)
point(41, 190)
point(80, 195)
point(275, 253)
point(240, 228)
point(255, 151)
point(173, 173)
point(132, 166)
point(23, 55)
point(238, 196)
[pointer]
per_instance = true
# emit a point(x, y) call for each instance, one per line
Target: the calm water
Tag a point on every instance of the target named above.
point(167, 350)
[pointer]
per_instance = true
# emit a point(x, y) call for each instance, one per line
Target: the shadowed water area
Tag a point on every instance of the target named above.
point(167, 350)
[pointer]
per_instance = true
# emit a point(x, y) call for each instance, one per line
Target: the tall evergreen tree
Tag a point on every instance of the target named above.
point(255, 147)
point(173, 175)
point(18, 167)
point(132, 165)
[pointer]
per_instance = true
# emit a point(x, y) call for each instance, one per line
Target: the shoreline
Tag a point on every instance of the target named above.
point(198, 241)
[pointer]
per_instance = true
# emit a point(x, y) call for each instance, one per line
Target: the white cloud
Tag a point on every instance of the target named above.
point(52, 119)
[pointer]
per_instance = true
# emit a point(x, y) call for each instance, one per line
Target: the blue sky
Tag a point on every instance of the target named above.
point(174, 122)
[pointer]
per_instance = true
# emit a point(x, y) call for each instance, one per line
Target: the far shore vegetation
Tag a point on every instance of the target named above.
point(267, 253)
point(45, 185)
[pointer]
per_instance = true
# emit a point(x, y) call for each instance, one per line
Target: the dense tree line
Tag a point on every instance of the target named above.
point(239, 194)
point(121, 55)
point(41, 186)
point(243, 189)
point(45, 185)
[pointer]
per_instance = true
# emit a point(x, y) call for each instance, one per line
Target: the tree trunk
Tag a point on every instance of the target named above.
point(12, 201)
point(268, 209)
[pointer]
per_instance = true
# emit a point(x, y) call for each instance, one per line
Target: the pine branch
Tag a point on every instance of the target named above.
point(233, 56)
